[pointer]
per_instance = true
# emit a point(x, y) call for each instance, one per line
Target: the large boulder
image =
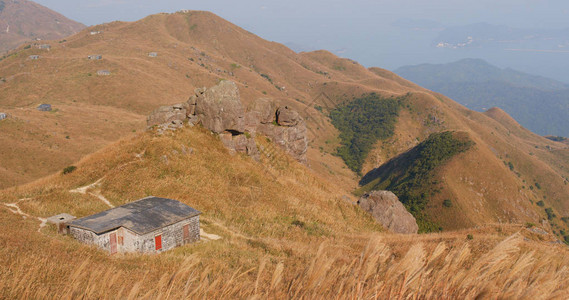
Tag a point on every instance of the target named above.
point(167, 115)
point(288, 117)
point(219, 108)
point(265, 109)
point(386, 209)
point(292, 139)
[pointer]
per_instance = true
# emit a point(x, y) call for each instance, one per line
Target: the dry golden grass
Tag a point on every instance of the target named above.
point(286, 233)
point(432, 267)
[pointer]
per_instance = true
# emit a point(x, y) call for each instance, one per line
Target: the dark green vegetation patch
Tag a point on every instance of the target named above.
point(362, 123)
point(69, 169)
point(410, 175)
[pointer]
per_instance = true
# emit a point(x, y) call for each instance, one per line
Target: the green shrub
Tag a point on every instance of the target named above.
point(529, 225)
point(267, 77)
point(69, 169)
point(540, 203)
point(362, 123)
point(298, 223)
point(447, 203)
point(469, 237)
point(550, 214)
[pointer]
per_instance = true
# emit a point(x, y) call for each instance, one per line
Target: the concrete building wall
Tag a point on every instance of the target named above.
point(172, 236)
point(128, 241)
point(88, 237)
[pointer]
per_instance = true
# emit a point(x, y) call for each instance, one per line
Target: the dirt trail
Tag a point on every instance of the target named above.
point(94, 192)
point(14, 208)
point(208, 236)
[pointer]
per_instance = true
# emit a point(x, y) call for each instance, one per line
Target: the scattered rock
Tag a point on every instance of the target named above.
point(386, 209)
point(187, 150)
point(538, 231)
point(44, 107)
point(3, 116)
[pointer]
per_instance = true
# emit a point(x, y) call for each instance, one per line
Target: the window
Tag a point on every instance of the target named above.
point(158, 242)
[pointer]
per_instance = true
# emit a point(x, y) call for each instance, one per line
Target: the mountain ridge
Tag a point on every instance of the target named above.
point(536, 102)
point(24, 20)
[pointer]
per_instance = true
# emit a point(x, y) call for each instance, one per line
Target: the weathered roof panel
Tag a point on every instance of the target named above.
point(141, 216)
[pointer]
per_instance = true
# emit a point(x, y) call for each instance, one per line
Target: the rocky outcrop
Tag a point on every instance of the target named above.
point(170, 115)
point(386, 209)
point(220, 110)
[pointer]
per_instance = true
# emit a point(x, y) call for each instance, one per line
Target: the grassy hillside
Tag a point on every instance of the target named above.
point(197, 49)
point(412, 175)
point(284, 234)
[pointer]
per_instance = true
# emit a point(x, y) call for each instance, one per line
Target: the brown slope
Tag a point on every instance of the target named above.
point(198, 49)
point(24, 20)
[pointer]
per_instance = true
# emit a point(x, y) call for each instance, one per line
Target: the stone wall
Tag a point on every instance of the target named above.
point(88, 237)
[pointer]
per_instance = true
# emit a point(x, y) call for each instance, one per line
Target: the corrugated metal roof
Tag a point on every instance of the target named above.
point(141, 216)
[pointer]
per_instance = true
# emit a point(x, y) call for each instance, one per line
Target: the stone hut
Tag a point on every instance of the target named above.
point(44, 46)
point(34, 57)
point(3, 116)
point(148, 225)
point(44, 107)
point(153, 54)
point(95, 57)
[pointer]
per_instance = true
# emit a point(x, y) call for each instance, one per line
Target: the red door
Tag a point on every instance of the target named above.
point(186, 233)
point(158, 242)
point(113, 237)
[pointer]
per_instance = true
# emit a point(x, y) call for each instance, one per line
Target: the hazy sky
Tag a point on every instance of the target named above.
point(358, 29)
point(547, 13)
